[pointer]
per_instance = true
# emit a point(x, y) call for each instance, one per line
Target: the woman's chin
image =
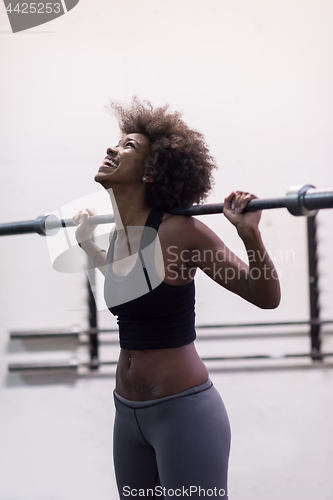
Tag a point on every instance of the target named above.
point(103, 180)
point(100, 178)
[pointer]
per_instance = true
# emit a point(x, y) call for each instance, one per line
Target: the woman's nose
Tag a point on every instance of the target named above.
point(111, 152)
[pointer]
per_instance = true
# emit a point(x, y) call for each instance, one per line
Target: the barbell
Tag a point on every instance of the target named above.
point(300, 200)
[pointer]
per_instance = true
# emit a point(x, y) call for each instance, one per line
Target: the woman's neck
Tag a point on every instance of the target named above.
point(127, 209)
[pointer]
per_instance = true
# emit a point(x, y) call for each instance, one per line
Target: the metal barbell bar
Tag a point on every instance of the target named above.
point(47, 225)
point(300, 200)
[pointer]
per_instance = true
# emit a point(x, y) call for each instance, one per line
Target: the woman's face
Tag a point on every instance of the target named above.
point(124, 163)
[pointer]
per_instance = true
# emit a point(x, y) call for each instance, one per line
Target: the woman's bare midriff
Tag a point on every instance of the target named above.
point(153, 374)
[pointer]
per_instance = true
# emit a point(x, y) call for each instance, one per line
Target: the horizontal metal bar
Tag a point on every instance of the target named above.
point(46, 225)
point(248, 325)
point(318, 199)
point(73, 364)
point(221, 336)
point(94, 220)
point(216, 208)
point(43, 334)
point(300, 200)
point(22, 227)
point(249, 357)
point(272, 323)
point(247, 336)
point(75, 332)
point(268, 356)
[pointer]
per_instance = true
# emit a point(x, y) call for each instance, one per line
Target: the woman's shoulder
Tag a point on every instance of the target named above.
point(187, 228)
point(177, 222)
point(182, 222)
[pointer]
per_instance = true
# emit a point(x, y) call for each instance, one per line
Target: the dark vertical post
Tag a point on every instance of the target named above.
point(313, 289)
point(93, 321)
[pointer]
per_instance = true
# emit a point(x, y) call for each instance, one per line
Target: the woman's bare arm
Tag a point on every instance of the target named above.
point(257, 282)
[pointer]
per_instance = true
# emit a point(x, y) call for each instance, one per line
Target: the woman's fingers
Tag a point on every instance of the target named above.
point(82, 217)
point(234, 206)
point(90, 211)
point(228, 200)
point(84, 230)
point(77, 218)
point(238, 200)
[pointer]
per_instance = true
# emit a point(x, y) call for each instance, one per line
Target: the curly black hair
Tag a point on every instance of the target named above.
point(178, 162)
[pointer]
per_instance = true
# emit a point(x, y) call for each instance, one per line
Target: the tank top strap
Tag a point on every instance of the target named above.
point(154, 219)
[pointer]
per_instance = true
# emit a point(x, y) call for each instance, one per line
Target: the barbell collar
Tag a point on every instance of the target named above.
point(295, 200)
point(39, 224)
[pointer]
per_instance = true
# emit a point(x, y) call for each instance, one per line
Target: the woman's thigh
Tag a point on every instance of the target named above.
point(134, 458)
point(191, 439)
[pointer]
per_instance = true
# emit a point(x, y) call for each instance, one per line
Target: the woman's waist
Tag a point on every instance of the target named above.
point(152, 374)
point(146, 404)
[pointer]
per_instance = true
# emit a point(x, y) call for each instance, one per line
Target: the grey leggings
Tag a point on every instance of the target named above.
point(176, 446)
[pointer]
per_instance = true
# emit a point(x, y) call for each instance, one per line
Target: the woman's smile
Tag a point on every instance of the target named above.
point(109, 164)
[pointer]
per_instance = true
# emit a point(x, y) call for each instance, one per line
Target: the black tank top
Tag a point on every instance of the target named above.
point(151, 314)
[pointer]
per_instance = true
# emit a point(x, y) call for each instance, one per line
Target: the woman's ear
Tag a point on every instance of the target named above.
point(147, 178)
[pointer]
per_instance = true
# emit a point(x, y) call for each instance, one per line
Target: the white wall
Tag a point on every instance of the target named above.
point(256, 78)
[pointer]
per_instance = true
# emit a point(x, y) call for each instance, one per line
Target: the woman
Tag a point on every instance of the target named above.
point(172, 434)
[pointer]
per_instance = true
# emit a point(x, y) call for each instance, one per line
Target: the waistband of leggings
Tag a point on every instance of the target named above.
point(152, 402)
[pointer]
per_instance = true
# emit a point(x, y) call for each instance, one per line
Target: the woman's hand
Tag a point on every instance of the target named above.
point(85, 230)
point(233, 208)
